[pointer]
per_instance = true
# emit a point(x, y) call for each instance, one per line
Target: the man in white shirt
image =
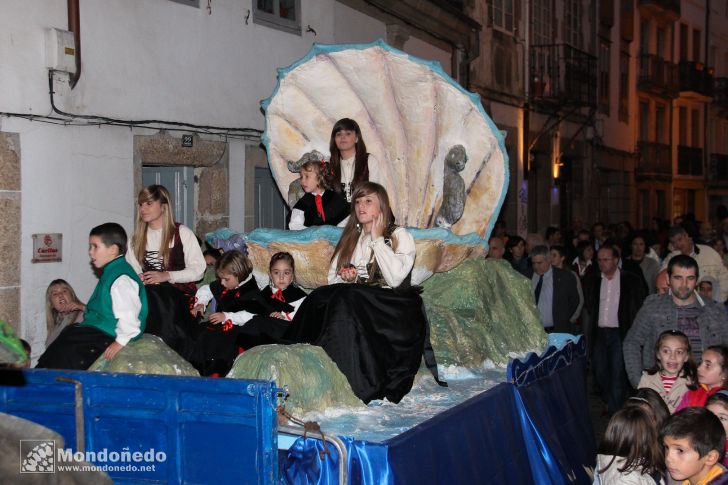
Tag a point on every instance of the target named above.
point(612, 299)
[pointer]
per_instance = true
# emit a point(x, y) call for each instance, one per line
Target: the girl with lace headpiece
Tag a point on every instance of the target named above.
point(319, 205)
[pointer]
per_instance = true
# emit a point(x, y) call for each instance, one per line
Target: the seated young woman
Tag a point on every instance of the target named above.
point(169, 261)
point(369, 320)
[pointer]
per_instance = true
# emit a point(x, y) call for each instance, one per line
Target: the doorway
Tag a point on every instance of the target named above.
point(179, 181)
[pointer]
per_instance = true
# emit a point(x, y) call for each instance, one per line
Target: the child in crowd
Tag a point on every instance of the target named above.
point(63, 308)
point(650, 400)
point(708, 288)
point(674, 371)
point(693, 441)
point(630, 451)
point(115, 314)
point(712, 375)
point(282, 293)
point(238, 300)
point(718, 405)
point(320, 205)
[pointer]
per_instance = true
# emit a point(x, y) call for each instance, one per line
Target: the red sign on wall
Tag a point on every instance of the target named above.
point(47, 248)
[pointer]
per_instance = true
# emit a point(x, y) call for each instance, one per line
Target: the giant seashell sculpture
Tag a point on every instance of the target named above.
point(442, 160)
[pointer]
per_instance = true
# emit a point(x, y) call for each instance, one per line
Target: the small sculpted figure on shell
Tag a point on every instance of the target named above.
point(453, 188)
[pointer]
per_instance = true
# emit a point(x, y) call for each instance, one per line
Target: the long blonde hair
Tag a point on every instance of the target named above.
point(345, 247)
point(139, 240)
point(52, 313)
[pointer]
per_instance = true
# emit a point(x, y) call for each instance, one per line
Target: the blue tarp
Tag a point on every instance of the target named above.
point(211, 430)
point(535, 431)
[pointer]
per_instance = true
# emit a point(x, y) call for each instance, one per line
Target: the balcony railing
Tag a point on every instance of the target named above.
point(658, 76)
point(718, 168)
point(689, 161)
point(720, 93)
point(654, 160)
point(562, 75)
point(666, 9)
point(694, 77)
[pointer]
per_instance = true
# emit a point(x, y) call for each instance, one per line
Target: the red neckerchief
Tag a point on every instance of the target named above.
point(225, 291)
point(320, 207)
point(278, 295)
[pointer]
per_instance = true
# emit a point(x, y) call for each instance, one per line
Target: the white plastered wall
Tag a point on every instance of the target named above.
point(142, 59)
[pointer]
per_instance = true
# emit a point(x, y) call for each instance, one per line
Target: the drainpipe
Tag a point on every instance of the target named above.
point(706, 110)
point(464, 67)
point(74, 25)
point(526, 127)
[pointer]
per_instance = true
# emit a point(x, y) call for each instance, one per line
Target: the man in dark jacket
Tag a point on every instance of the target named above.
point(612, 299)
point(555, 292)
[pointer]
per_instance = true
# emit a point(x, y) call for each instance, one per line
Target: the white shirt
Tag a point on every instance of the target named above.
point(126, 305)
point(609, 301)
point(394, 265)
point(347, 173)
point(194, 260)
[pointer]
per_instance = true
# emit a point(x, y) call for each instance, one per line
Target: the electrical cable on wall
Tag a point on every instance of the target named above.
point(93, 120)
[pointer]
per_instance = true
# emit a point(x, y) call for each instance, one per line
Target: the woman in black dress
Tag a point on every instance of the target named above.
point(369, 319)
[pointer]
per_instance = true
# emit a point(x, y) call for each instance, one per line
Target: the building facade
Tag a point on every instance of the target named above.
point(78, 136)
point(615, 110)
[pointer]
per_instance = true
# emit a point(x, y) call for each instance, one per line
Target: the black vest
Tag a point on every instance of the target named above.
point(336, 208)
point(290, 294)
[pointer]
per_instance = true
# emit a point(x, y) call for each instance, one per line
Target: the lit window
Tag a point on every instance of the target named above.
point(279, 14)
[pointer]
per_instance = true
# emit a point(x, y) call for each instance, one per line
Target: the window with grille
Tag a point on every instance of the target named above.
point(623, 113)
point(541, 19)
point(573, 23)
point(604, 60)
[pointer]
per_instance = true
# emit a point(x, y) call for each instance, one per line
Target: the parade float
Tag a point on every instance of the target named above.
point(515, 408)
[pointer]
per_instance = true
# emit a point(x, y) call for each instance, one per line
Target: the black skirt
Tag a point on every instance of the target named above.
point(76, 348)
point(170, 317)
point(376, 336)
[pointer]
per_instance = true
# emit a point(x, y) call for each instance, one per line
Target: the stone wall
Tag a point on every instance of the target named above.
point(10, 229)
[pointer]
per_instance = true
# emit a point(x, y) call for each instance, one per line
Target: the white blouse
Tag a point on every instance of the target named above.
point(194, 260)
point(126, 305)
point(347, 173)
point(394, 265)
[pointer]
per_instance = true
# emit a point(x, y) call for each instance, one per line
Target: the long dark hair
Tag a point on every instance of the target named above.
point(345, 248)
point(361, 167)
point(632, 434)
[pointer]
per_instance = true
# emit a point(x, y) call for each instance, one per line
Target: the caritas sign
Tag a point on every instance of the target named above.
point(47, 248)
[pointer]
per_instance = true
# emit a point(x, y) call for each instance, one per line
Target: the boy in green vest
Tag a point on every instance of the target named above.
point(115, 314)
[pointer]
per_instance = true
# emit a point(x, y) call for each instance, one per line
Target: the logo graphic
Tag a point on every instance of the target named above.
point(37, 456)
point(48, 240)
